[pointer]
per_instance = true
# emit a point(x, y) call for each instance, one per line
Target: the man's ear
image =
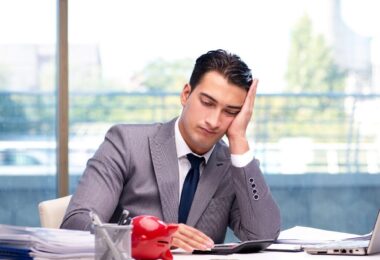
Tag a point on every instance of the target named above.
point(185, 94)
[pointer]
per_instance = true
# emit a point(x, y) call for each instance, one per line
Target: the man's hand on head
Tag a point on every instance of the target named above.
point(189, 239)
point(236, 133)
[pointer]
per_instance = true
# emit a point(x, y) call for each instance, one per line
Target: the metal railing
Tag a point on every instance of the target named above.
point(290, 133)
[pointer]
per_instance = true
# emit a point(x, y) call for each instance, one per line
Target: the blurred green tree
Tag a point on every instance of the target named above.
point(313, 71)
point(311, 66)
point(162, 75)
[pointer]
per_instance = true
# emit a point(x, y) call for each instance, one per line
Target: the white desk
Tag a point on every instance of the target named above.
point(265, 255)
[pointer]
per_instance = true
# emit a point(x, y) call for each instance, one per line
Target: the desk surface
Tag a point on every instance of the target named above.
point(268, 256)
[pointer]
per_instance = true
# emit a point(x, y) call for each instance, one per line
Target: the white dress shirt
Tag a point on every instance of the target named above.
point(237, 160)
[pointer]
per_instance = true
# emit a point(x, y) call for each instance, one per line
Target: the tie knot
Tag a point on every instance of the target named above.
point(194, 160)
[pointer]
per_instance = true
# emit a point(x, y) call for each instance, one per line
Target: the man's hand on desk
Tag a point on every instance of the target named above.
point(189, 238)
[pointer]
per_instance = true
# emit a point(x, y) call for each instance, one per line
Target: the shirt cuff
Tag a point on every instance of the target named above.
point(242, 160)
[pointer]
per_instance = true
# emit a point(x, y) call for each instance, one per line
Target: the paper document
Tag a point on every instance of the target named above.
point(47, 242)
point(284, 247)
point(298, 237)
point(307, 235)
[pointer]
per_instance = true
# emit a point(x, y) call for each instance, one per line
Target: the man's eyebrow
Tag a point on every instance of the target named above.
point(214, 100)
point(208, 96)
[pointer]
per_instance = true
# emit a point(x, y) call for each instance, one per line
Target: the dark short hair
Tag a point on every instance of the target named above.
point(229, 65)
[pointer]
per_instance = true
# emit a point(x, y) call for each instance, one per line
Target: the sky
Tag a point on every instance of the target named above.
point(132, 33)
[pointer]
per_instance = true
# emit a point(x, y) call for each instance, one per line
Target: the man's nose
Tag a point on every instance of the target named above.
point(213, 118)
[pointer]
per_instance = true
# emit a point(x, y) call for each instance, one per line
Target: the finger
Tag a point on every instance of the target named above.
point(249, 102)
point(253, 89)
point(194, 241)
point(195, 234)
point(187, 243)
point(188, 230)
point(181, 244)
point(193, 238)
point(251, 95)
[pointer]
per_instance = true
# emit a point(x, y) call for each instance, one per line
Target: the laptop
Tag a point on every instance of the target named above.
point(366, 245)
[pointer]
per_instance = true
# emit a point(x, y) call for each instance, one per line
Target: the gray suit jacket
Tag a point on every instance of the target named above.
point(136, 168)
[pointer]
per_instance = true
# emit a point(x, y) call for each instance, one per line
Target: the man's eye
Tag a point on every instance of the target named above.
point(206, 103)
point(232, 113)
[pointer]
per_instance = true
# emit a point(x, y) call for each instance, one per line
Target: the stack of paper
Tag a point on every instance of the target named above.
point(24, 242)
point(307, 235)
point(298, 237)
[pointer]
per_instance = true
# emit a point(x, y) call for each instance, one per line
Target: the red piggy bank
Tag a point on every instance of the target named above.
point(151, 238)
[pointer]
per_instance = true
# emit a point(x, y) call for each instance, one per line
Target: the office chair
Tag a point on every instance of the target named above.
point(53, 211)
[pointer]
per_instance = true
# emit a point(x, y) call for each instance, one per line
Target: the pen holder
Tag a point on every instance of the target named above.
point(113, 242)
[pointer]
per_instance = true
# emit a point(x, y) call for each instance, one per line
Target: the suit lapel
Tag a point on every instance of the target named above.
point(165, 163)
point(208, 183)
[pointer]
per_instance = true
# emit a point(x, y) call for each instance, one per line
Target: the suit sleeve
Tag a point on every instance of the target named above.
point(100, 186)
point(254, 214)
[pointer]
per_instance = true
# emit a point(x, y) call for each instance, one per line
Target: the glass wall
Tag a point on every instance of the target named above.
point(314, 130)
point(27, 108)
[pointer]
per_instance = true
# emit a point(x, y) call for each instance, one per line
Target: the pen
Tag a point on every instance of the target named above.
point(124, 219)
point(96, 221)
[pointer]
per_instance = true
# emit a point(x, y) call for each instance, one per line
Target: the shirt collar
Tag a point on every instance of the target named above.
point(183, 149)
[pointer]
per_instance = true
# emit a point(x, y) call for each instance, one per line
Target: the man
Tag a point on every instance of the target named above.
point(145, 168)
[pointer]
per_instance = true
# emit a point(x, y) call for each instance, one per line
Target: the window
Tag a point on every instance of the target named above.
point(312, 130)
point(27, 108)
point(315, 129)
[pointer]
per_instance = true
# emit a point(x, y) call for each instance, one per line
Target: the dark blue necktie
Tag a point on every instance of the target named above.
point(189, 187)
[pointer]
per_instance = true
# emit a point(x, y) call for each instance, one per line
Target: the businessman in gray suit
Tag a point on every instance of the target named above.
point(147, 170)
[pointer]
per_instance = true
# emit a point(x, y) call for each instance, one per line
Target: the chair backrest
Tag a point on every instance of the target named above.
point(53, 211)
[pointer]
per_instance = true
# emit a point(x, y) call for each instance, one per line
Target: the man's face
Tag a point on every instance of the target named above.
point(209, 110)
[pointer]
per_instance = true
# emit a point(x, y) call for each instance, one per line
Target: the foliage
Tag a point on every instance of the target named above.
point(162, 75)
point(123, 107)
point(12, 117)
point(312, 70)
point(311, 67)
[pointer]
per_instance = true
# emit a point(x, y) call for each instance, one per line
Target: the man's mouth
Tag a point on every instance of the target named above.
point(207, 131)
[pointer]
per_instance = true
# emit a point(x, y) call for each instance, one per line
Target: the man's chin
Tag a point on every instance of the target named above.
point(204, 147)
